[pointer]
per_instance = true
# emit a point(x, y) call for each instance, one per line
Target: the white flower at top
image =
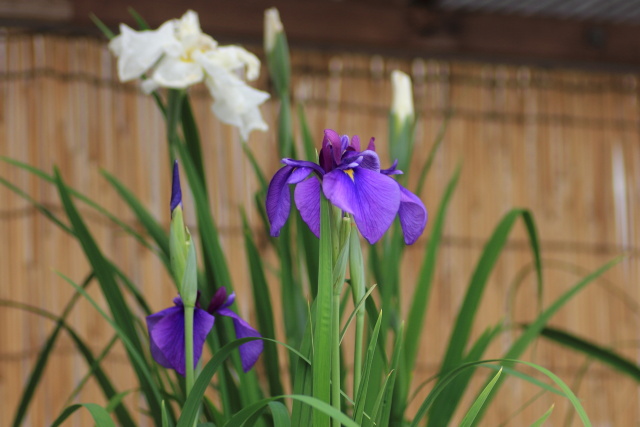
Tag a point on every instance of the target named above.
point(178, 55)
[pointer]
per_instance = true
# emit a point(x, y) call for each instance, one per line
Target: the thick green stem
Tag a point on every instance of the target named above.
point(188, 347)
point(356, 268)
point(335, 356)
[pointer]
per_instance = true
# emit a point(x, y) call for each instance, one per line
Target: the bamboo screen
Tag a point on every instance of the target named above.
point(563, 143)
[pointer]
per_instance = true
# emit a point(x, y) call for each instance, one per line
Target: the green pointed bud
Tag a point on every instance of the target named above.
point(277, 51)
point(179, 242)
point(189, 285)
point(401, 120)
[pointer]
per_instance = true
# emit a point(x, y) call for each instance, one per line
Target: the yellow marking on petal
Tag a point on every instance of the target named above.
point(350, 173)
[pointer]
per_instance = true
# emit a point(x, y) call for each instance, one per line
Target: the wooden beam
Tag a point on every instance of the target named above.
point(396, 27)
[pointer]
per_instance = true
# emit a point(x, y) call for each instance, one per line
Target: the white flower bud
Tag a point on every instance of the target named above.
point(272, 27)
point(402, 102)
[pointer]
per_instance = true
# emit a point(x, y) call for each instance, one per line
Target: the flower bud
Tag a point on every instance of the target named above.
point(277, 52)
point(272, 27)
point(402, 103)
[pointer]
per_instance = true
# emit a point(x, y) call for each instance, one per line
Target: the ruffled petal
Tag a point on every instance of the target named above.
point(177, 73)
point(303, 164)
point(166, 336)
point(307, 198)
point(235, 102)
point(371, 197)
point(393, 170)
point(137, 51)
point(278, 202)
point(249, 351)
point(412, 214)
point(367, 159)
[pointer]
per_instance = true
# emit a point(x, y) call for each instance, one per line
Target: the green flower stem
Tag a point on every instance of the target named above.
point(356, 267)
point(188, 347)
point(335, 356)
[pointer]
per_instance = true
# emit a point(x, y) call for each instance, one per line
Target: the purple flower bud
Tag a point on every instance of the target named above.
point(176, 191)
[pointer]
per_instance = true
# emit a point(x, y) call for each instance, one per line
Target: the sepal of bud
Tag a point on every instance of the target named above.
point(277, 52)
point(189, 285)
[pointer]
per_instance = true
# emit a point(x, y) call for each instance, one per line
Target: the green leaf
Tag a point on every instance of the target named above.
point(361, 397)
point(279, 414)
point(155, 230)
point(192, 140)
point(536, 327)
point(420, 299)
point(102, 26)
point(142, 24)
point(459, 338)
point(432, 153)
point(450, 376)
point(135, 355)
point(51, 179)
point(100, 415)
point(321, 362)
point(540, 421)
point(263, 307)
point(303, 377)
point(595, 351)
point(243, 415)
point(382, 417)
point(122, 316)
point(166, 419)
point(307, 139)
point(471, 414)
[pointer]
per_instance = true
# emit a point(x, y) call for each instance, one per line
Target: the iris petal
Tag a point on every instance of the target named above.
point(250, 351)
point(371, 197)
point(412, 214)
point(307, 198)
point(278, 201)
point(166, 336)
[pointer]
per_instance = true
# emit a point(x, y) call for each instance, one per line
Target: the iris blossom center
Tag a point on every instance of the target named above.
point(353, 181)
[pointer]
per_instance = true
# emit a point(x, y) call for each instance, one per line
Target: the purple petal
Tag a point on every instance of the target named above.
point(330, 143)
point(370, 160)
point(303, 164)
point(166, 336)
point(372, 145)
point(355, 142)
point(249, 351)
point(393, 169)
point(371, 197)
point(307, 198)
point(218, 300)
point(413, 215)
point(176, 191)
point(278, 201)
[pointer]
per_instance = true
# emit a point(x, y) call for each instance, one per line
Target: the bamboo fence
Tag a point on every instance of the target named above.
point(563, 143)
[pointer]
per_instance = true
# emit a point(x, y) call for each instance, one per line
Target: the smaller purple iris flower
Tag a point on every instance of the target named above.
point(166, 332)
point(351, 180)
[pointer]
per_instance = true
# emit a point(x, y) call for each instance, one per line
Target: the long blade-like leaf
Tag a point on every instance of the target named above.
point(98, 413)
point(122, 315)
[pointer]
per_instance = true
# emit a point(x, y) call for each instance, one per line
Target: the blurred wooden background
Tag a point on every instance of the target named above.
point(561, 142)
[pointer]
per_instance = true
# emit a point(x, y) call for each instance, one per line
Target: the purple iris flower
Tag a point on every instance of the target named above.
point(166, 332)
point(351, 180)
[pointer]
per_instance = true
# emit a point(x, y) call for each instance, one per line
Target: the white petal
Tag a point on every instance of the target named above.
point(149, 86)
point(236, 103)
point(235, 58)
point(188, 29)
point(177, 73)
point(137, 51)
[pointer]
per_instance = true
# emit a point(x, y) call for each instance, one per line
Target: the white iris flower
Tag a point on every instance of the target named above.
point(178, 55)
